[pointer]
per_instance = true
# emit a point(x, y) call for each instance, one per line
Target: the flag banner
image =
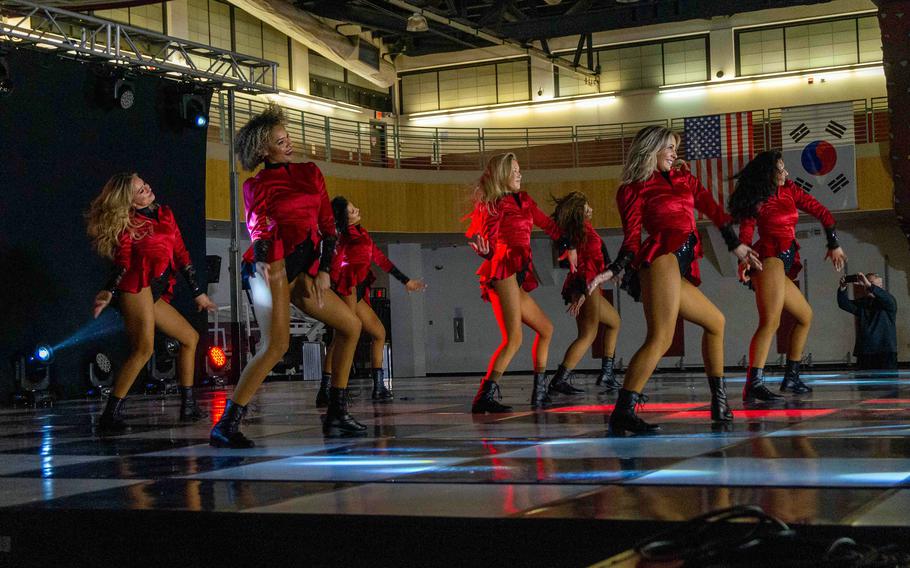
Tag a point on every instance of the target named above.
point(717, 147)
point(819, 152)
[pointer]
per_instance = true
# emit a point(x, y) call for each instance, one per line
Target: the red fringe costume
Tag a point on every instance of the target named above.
point(665, 209)
point(776, 221)
point(161, 250)
point(507, 225)
point(286, 206)
point(592, 260)
point(354, 257)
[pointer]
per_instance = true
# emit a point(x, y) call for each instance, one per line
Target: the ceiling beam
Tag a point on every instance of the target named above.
point(529, 50)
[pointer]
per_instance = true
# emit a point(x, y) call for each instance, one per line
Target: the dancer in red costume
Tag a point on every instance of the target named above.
point(142, 238)
point(661, 199)
point(293, 232)
point(352, 278)
point(765, 198)
point(501, 233)
point(573, 217)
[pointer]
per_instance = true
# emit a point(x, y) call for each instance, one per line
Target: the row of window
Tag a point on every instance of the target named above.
point(466, 86)
point(772, 49)
point(769, 49)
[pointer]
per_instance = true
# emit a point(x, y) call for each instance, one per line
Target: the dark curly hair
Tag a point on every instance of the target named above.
point(754, 185)
point(252, 141)
point(340, 210)
point(570, 216)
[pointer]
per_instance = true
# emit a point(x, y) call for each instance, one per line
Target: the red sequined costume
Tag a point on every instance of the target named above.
point(592, 260)
point(776, 221)
point(153, 258)
point(287, 207)
point(507, 225)
point(664, 206)
point(354, 256)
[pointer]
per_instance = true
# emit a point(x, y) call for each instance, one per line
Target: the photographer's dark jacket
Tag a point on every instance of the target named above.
point(876, 331)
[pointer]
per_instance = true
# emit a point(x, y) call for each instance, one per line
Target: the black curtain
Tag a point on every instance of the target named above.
point(61, 138)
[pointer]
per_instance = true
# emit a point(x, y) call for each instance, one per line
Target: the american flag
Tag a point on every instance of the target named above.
point(717, 147)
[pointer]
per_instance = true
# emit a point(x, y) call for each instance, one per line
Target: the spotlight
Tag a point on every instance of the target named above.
point(124, 93)
point(217, 358)
point(114, 88)
point(33, 375)
point(100, 373)
point(44, 354)
point(162, 367)
point(6, 82)
point(194, 110)
point(417, 23)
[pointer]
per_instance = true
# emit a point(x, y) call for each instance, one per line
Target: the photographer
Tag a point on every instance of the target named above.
point(875, 310)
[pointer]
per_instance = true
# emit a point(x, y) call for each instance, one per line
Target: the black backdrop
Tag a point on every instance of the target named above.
point(58, 145)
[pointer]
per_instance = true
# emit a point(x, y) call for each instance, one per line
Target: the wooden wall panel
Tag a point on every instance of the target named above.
point(409, 207)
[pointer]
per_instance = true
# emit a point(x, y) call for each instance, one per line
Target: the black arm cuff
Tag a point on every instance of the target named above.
point(189, 274)
point(623, 259)
point(729, 236)
point(831, 235)
point(261, 248)
point(399, 275)
point(605, 253)
point(328, 252)
point(114, 279)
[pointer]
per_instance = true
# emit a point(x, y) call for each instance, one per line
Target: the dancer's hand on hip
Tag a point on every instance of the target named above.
point(745, 254)
point(322, 285)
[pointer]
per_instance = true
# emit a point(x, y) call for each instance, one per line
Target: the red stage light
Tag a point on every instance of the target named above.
point(649, 407)
point(217, 358)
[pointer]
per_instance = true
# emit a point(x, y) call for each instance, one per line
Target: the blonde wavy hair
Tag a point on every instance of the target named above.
point(642, 159)
point(493, 183)
point(252, 143)
point(110, 215)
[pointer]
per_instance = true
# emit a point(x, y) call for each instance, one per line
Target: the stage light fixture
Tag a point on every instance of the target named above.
point(124, 93)
point(217, 358)
point(100, 373)
point(33, 375)
point(6, 81)
point(417, 23)
point(162, 367)
point(193, 110)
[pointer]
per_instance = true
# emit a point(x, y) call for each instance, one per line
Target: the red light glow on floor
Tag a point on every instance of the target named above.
point(887, 401)
point(769, 414)
point(649, 407)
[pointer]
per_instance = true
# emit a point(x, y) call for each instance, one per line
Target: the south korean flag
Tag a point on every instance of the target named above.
point(819, 152)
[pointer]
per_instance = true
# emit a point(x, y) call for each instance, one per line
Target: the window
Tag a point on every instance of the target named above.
point(473, 85)
point(276, 47)
point(811, 45)
point(147, 17)
point(642, 66)
point(332, 81)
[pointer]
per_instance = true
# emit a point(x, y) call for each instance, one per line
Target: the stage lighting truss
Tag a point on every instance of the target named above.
point(88, 38)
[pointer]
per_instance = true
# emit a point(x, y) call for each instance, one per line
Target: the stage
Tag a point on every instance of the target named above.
point(432, 484)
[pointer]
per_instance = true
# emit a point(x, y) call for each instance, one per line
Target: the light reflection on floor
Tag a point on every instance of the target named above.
point(838, 455)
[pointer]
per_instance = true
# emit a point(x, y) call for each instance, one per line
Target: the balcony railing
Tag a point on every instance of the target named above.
point(377, 144)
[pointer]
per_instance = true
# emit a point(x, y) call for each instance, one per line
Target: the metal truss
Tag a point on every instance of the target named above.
point(27, 24)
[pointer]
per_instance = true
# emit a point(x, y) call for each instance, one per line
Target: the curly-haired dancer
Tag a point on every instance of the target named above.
point(765, 198)
point(292, 228)
point(127, 225)
point(662, 199)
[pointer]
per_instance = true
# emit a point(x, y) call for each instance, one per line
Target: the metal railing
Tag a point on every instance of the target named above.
point(345, 141)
